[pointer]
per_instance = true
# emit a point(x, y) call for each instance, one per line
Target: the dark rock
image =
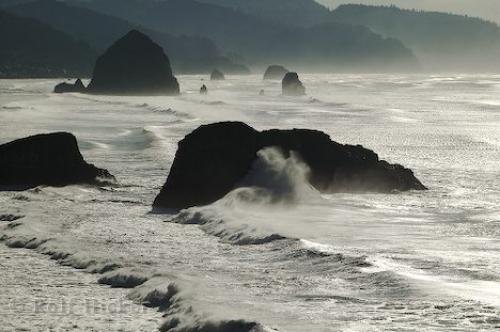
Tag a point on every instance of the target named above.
point(292, 86)
point(68, 87)
point(217, 75)
point(203, 89)
point(134, 65)
point(46, 159)
point(212, 160)
point(275, 72)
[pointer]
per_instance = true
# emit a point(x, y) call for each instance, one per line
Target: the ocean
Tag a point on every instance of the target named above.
point(82, 258)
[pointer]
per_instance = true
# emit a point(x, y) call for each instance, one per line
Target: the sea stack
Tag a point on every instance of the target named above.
point(213, 159)
point(46, 159)
point(68, 87)
point(133, 65)
point(217, 75)
point(292, 86)
point(275, 72)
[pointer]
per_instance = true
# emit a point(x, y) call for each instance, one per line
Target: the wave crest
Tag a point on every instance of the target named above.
point(276, 180)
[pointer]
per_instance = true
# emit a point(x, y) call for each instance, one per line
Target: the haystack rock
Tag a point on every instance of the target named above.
point(217, 75)
point(133, 65)
point(292, 86)
point(68, 87)
point(275, 72)
point(213, 159)
point(46, 159)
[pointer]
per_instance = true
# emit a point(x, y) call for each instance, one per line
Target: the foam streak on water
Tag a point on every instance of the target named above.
point(274, 254)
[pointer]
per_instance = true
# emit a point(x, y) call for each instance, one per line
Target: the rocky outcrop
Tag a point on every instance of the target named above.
point(68, 87)
point(217, 75)
point(292, 86)
point(214, 158)
point(134, 65)
point(46, 159)
point(275, 72)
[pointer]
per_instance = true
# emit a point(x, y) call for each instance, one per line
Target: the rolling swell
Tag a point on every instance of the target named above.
point(212, 224)
point(159, 109)
point(148, 288)
point(180, 312)
point(143, 106)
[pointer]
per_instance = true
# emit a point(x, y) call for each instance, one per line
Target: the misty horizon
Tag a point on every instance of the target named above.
point(485, 9)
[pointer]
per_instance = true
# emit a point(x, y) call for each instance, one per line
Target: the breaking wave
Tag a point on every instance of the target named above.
point(171, 298)
point(274, 182)
point(163, 110)
point(139, 138)
point(124, 278)
point(148, 288)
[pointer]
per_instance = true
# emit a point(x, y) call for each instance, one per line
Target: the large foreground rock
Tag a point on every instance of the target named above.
point(134, 65)
point(68, 87)
point(46, 159)
point(214, 158)
point(292, 86)
point(275, 72)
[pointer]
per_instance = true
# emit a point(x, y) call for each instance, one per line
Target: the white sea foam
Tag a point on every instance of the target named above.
point(487, 292)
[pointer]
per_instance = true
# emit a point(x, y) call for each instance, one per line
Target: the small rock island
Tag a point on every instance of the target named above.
point(46, 159)
point(133, 65)
point(275, 72)
point(292, 86)
point(68, 87)
point(217, 75)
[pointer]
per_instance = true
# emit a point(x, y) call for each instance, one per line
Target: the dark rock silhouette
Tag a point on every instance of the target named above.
point(68, 87)
point(275, 72)
point(203, 89)
point(212, 160)
point(134, 65)
point(217, 75)
point(46, 159)
point(292, 86)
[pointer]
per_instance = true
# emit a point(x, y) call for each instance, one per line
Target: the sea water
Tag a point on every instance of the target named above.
point(276, 255)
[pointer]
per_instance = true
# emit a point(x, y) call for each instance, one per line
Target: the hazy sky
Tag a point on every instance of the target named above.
point(489, 9)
